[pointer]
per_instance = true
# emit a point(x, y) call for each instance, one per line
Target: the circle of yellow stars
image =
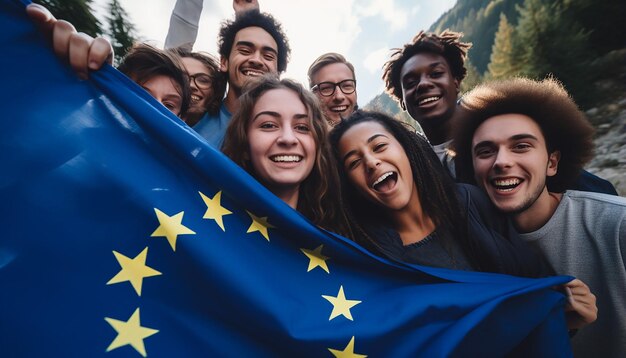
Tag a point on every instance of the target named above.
point(135, 270)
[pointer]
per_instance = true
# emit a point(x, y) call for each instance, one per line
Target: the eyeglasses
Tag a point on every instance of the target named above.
point(202, 80)
point(327, 89)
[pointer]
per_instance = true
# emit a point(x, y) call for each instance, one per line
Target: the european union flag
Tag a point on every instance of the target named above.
point(124, 234)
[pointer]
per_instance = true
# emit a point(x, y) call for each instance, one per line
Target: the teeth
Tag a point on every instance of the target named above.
point(428, 100)
point(286, 158)
point(381, 178)
point(339, 108)
point(506, 182)
point(252, 73)
point(195, 98)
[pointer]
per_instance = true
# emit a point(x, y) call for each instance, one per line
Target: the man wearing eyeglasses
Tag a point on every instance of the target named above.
point(332, 79)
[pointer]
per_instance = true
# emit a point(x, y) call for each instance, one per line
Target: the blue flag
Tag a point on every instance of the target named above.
point(124, 234)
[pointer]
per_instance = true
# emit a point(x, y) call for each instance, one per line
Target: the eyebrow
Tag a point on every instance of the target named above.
point(487, 143)
point(277, 115)
point(369, 140)
point(250, 44)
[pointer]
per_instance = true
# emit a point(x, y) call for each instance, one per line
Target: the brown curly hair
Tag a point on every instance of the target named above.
point(564, 126)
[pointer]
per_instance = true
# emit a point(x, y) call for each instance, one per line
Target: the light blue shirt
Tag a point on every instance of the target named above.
point(213, 128)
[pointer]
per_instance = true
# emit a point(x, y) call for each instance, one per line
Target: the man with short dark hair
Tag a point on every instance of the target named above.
point(523, 142)
point(332, 79)
point(251, 45)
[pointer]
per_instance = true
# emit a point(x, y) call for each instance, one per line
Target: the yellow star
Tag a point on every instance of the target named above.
point(130, 332)
point(133, 270)
point(341, 306)
point(347, 352)
point(215, 210)
point(316, 258)
point(170, 227)
point(259, 224)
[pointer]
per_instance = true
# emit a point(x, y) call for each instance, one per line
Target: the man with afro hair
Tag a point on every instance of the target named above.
point(523, 142)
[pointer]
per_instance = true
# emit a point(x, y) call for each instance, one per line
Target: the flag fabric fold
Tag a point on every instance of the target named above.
point(125, 234)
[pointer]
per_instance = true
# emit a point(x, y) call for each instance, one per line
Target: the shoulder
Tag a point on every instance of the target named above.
point(593, 183)
point(595, 199)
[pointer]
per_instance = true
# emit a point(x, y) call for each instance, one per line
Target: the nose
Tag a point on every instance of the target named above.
point(255, 58)
point(502, 160)
point(287, 137)
point(338, 96)
point(424, 83)
point(371, 162)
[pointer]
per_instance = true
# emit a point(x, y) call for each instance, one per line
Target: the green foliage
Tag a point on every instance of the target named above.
point(502, 62)
point(120, 30)
point(77, 12)
point(472, 79)
point(555, 44)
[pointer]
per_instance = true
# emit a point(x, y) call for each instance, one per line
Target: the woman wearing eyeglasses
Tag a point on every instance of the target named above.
point(206, 82)
point(332, 79)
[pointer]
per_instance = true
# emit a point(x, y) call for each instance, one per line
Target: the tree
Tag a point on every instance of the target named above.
point(553, 44)
point(120, 30)
point(502, 63)
point(77, 12)
point(472, 79)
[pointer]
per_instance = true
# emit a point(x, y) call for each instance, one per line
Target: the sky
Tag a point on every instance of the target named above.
point(363, 31)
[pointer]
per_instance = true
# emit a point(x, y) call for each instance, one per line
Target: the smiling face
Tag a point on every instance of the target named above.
point(254, 53)
point(199, 96)
point(338, 105)
point(281, 144)
point(165, 90)
point(511, 162)
point(429, 90)
point(377, 165)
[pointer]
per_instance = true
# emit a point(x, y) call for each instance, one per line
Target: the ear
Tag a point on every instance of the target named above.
point(553, 163)
point(457, 85)
point(223, 64)
point(402, 104)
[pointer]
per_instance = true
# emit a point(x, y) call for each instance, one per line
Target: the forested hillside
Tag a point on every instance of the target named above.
point(577, 41)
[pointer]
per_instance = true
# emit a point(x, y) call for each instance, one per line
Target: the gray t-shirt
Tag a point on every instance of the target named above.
point(586, 238)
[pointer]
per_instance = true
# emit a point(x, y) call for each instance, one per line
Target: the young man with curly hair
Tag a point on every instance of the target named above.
point(523, 142)
point(425, 75)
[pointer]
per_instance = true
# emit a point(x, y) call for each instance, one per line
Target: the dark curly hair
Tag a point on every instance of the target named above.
point(564, 126)
point(447, 44)
point(436, 189)
point(252, 18)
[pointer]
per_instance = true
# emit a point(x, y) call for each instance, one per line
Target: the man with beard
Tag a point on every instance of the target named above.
point(522, 142)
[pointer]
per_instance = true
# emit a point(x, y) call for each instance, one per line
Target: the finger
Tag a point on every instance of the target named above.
point(100, 52)
point(42, 18)
point(61, 35)
point(79, 53)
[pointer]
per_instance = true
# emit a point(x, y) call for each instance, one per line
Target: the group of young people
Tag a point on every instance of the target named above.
point(487, 187)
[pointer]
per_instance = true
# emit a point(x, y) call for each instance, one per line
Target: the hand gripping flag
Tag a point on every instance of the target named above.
point(124, 234)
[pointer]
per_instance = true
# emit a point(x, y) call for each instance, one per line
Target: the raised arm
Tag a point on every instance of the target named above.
point(80, 50)
point(244, 5)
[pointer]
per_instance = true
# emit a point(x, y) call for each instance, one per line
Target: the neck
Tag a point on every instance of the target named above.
point(288, 195)
point(411, 222)
point(192, 118)
point(538, 214)
point(232, 100)
point(437, 134)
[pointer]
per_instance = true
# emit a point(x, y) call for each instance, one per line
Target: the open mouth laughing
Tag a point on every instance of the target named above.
point(385, 182)
point(338, 109)
point(252, 73)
